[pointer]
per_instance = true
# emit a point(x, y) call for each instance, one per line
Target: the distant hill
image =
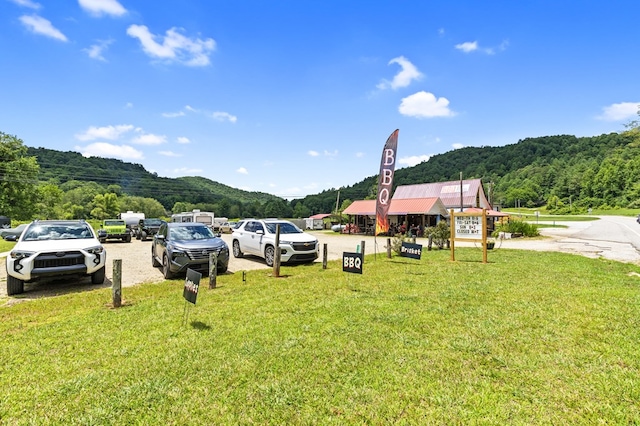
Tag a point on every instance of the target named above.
point(596, 171)
point(587, 171)
point(135, 180)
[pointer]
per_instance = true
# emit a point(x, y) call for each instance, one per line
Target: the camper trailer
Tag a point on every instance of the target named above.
point(131, 219)
point(206, 218)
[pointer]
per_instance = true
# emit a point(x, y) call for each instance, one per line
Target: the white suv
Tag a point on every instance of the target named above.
point(258, 237)
point(54, 248)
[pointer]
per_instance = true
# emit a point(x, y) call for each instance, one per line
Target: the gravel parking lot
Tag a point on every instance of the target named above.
point(137, 269)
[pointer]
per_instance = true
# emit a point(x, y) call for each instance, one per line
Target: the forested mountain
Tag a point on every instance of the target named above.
point(556, 171)
point(135, 180)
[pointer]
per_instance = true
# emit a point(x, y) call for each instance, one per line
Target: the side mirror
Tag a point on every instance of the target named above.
point(159, 236)
point(11, 238)
point(260, 232)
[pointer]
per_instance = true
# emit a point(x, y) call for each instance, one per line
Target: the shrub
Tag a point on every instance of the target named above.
point(440, 233)
point(517, 226)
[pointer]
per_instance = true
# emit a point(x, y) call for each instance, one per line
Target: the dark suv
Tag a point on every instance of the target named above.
point(179, 246)
point(148, 228)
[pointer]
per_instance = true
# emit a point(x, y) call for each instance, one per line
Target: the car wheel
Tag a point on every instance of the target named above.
point(166, 267)
point(236, 249)
point(154, 261)
point(144, 236)
point(137, 235)
point(127, 239)
point(222, 269)
point(269, 255)
point(14, 285)
point(98, 276)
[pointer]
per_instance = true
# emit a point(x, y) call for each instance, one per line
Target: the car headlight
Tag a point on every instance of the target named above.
point(95, 250)
point(20, 254)
point(176, 251)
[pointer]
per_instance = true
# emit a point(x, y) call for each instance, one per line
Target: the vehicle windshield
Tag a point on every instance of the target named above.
point(114, 223)
point(153, 222)
point(190, 233)
point(285, 228)
point(57, 232)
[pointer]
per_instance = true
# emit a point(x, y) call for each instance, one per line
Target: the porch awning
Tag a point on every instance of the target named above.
point(427, 206)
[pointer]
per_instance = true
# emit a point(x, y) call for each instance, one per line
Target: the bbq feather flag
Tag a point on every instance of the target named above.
point(385, 182)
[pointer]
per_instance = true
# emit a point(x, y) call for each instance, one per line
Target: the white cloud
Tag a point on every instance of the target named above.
point(107, 132)
point(169, 154)
point(185, 171)
point(472, 46)
point(102, 7)
point(224, 116)
point(413, 160)
point(359, 154)
point(128, 105)
point(425, 105)
point(27, 3)
point(183, 140)
point(242, 171)
point(149, 139)
point(331, 154)
point(173, 114)
point(620, 111)
point(107, 150)
point(313, 153)
point(95, 50)
point(405, 76)
point(457, 145)
point(39, 25)
point(174, 46)
point(468, 46)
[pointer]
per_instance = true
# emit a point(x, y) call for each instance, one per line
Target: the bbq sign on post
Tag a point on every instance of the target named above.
point(352, 262)
point(414, 251)
point(191, 286)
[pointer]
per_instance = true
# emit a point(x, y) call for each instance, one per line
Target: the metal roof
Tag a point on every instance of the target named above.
point(320, 216)
point(431, 206)
point(449, 192)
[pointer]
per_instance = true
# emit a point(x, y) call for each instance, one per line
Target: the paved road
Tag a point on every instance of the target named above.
point(611, 237)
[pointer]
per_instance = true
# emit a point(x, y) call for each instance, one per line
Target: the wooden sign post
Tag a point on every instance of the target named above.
point(469, 227)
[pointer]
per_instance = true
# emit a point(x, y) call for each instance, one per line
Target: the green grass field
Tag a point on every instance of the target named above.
point(529, 338)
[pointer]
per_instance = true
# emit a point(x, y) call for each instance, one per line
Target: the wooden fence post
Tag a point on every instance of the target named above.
point(388, 248)
point(213, 270)
point(324, 256)
point(116, 287)
point(277, 253)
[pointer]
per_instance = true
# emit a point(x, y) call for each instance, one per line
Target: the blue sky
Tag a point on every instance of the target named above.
point(295, 97)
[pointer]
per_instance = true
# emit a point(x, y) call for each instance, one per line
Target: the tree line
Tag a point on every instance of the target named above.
point(563, 173)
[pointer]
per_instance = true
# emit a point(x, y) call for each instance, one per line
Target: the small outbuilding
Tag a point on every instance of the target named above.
point(316, 221)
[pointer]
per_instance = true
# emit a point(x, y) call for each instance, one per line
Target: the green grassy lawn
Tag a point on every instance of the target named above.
point(6, 245)
point(529, 338)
